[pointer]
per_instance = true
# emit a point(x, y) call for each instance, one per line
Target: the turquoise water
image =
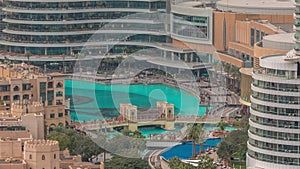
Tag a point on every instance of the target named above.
point(185, 150)
point(147, 131)
point(214, 127)
point(91, 101)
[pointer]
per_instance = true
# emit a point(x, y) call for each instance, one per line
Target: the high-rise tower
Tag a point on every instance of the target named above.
point(274, 135)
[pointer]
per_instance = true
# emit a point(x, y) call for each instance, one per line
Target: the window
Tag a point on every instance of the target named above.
point(59, 102)
point(6, 98)
point(26, 86)
point(50, 84)
point(60, 114)
point(16, 88)
point(30, 156)
point(43, 157)
point(252, 32)
point(49, 102)
point(16, 97)
point(257, 36)
point(59, 93)
point(54, 156)
point(59, 85)
point(52, 115)
point(224, 34)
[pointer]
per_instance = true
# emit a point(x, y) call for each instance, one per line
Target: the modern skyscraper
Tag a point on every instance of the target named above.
point(274, 135)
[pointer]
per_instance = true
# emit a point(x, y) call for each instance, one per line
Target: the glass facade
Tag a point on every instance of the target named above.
point(191, 26)
point(274, 135)
point(274, 116)
point(73, 22)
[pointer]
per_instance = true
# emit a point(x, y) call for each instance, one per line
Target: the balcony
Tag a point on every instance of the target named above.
point(274, 123)
point(273, 135)
point(280, 113)
point(288, 89)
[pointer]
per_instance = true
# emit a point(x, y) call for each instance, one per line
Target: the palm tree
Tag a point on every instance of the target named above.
point(63, 56)
point(222, 124)
point(107, 60)
point(196, 131)
point(119, 59)
point(236, 75)
point(28, 55)
point(206, 163)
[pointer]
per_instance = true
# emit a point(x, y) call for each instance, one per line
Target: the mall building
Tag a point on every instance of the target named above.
point(56, 31)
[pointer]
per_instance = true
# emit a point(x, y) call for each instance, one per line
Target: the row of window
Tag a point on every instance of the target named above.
point(192, 19)
point(276, 72)
point(60, 114)
point(15, 97)
point(276, 98)
point(190, 30)
point(256, 36)
point(275, 123)
point(82, 16)
point(43, 157)
point(277, 86)
point(6, 88)
point(87, 27)
point(88, 4)
point(243, 56)
point(274, 147)
point(80, 38)
point(275, 110)
point(274, 159)
point(274, 134)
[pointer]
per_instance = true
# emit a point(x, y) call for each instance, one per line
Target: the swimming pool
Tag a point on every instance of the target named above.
point(185, 150)
point(91, 101)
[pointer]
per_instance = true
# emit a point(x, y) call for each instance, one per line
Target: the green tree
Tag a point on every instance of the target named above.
point(77, 143)
point(28, 55)
point(119, 59)
point(196, 131)
point(107, 60)
point(222, 124)
point(206, 163)
point(125, 131)
point(63, 66)
point(137, 134)
point(234, 145)
point(118, 162)
point(226, 150)
point(175, 163)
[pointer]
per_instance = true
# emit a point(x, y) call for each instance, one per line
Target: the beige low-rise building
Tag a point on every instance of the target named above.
point(24, 89)
point(38, 154)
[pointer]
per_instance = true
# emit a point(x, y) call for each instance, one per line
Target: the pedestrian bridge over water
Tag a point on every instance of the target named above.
point(133, 118)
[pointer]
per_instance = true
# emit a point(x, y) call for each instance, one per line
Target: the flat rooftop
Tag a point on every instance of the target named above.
point(194, 4)
point(282, 37)
point(282, 41)
point(257, 6)
point(246, 71)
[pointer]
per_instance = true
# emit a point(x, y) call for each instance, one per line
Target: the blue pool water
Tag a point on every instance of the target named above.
point(91, 101)
point(185, 150)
